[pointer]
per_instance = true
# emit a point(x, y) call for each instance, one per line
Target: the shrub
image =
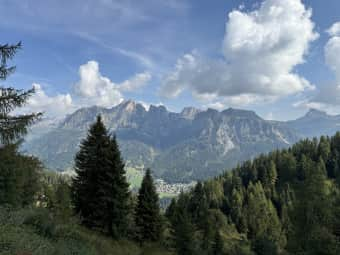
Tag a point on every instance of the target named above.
point(42, 221)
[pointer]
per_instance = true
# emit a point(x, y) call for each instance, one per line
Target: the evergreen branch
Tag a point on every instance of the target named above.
point(13, 127)
point(11, 98)
point(5, 71)
point(7, 52)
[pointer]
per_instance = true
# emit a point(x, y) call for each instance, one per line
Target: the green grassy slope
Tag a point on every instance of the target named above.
point(34, 232)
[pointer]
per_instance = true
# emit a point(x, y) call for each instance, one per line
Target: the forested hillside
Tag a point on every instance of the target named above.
point(286, 202)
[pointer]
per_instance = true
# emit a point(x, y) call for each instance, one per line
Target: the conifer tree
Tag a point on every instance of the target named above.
point(19, 177)
point(100, 192)
point(115, 192)
point(62, 199)
point(272, 174)
point(170, 210)
point(324, 148)
point(18, 173)
point(183, 228)
point(262, 217)
point(217, 248)
point(306, 165)
point(198, 206)
point(333, 168)
point(286, 167)
point(148, 219)
point(265, 246)
point(313, 215)
point(12, 127)
point(236, 212)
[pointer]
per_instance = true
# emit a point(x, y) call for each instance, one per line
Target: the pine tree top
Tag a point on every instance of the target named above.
point(148, 188)
point(7, 52)
point(12, 127)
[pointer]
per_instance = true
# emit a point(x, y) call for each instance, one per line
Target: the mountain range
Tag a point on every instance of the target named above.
point(179, 147)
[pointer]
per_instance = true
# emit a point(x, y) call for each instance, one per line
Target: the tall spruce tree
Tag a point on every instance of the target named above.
point(198, 206)
point(12, 127)
point(182, 226)
point(148, 217)
point(262, 216)
point(100, 192)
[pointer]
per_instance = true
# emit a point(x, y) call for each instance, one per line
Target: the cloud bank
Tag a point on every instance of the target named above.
point(92, 89)
point(260, 50)
point(328, 96)
point(57, 105)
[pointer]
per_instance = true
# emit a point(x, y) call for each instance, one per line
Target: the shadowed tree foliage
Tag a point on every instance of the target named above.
point(148, 217)
point(217, 248)
point(19, 174)
point(19, 177)
point(100, 192)
point(285, 202)
point(12, 127)
point(182, 226)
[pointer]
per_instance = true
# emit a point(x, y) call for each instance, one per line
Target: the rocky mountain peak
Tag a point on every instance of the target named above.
point(82, 117)
point(185, 146)
point(240, 113)
point(157, 108)
point(312, 113)
point(128, 106)
point(189, 112)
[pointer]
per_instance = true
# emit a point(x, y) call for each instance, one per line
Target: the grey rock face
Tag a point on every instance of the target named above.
point(179, 147)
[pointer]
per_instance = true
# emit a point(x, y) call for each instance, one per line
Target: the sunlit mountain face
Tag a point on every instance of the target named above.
point(180, 147)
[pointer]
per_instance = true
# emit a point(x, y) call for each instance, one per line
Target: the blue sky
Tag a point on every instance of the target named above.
point(276, 57)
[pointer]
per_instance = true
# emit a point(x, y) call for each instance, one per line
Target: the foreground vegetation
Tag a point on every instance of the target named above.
point(37, 231)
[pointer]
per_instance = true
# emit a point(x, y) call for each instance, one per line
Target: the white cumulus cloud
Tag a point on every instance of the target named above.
point(136, 82)
point(334, 30)
point(328, 96)
point(261, 48)
point(53, 106)
point(95, 89)
point(92, 89)
point(332, 53)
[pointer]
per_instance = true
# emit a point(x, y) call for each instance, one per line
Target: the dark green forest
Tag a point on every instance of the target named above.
point(286, 202)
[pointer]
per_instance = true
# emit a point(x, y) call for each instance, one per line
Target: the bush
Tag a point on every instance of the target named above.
point(36, 232)
point(42, 221)
point(264, 246)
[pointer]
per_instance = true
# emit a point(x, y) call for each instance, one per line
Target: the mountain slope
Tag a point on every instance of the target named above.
point(185, 146)
point(316, 123)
